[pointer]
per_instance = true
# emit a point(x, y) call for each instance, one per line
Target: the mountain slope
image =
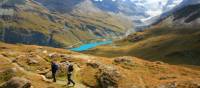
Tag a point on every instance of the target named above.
point(31, 22)
point(61, 6)
point(174, 40)
point(33, 63)
point(187, 16)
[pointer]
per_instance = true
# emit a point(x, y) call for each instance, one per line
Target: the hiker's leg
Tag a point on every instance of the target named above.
point(54, 77)
point(68, 83)
point(73, 82)
point(68, 78)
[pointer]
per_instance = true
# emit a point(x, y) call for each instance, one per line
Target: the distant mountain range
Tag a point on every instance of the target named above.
point(164, 55)
point(185, 14)
point(174, 38)
point(62, 23)
point(58, 23)
point(137, 10)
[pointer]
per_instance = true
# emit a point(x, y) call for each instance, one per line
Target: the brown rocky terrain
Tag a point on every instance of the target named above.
point(29, 66)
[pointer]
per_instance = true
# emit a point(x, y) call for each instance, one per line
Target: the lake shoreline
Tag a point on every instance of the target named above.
point(89, 46)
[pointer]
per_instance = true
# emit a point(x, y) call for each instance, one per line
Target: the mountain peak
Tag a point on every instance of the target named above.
point(86, 7)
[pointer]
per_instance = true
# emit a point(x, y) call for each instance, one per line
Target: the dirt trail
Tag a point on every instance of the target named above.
point(59, 82)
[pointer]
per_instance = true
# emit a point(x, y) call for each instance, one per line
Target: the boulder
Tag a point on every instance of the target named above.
point(20, 57)
point(43, 72)
point(188, 84)
point(185, 84)
point(17, 82)
point(124, 60)
point(167, 85)
point(48, 75)
point(94, 64)
point(65, 56)
point(109, 77)
point(32, 61)
point(53, 55)
point(7, 74)
point(159, 62)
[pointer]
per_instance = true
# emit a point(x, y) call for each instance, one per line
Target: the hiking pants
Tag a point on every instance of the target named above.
point(54, 77)
point(69, 79)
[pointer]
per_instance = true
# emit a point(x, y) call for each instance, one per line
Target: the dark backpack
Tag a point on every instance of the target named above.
point(54, 67)
point(70, 68)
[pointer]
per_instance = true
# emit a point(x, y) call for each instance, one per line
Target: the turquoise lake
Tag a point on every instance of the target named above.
point(88, 46)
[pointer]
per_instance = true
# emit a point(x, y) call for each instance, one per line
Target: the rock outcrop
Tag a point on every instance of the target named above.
point(185, 84)
point(123, 60)
point(32, 61)
point(8, 73)
point(109, 77)
point(17, 82)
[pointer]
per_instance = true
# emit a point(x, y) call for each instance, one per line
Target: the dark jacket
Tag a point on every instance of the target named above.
point(54, 67)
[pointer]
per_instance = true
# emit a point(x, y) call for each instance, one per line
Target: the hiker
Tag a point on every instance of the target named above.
point(54, 68)
point(70, 70)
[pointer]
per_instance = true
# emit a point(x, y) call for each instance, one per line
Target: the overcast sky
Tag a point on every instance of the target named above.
point(154, 7)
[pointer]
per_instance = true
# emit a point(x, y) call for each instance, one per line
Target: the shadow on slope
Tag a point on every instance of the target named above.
point(174, 46)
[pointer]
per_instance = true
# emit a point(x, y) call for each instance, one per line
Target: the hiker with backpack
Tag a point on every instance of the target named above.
point(54, 68)
point(70, 70)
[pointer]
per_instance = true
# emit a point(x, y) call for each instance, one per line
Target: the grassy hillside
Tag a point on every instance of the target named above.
point(174, 40)
point(175, 46)
point(33, 63)
point(31, 23)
